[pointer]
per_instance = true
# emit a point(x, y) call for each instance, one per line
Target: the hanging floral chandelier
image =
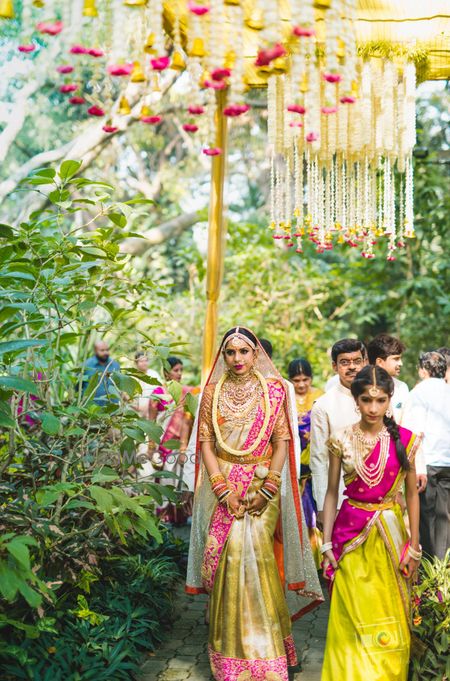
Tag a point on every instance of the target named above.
point(340, 128)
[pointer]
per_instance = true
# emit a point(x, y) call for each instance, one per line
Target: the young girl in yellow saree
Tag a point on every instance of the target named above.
point(249, 547)
point(367, 553)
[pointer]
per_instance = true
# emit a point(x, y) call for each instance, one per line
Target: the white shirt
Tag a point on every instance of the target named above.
point(332, 382)
point(332, 411)
point(398, 399)
point(427, 411)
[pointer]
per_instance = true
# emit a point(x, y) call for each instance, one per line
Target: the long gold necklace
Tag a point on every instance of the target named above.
point(215, 410)
point(371, 474)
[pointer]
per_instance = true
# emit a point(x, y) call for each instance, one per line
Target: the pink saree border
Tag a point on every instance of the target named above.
point(230, 668)
point(240, 478)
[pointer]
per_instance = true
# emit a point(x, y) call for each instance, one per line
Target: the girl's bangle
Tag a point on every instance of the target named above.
point(326, 547)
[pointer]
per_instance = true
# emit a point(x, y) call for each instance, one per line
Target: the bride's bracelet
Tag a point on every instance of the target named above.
point(415, 555)
point(326, 547)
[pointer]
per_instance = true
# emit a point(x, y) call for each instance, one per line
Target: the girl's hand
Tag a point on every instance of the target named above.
point(257, 505)
point(236, 505)
point(328, 559)
point(408, 567)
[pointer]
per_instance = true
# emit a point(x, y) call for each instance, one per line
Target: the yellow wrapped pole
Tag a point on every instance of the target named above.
point(216, 237)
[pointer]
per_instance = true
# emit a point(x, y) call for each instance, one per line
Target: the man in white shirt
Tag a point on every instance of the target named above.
point(428, 410)
point(386, 352)
point(333, 410)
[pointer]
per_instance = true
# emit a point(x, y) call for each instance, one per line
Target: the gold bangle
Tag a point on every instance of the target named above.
point(217, 477)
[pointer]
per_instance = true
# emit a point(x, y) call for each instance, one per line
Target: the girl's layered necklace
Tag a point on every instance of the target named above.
point(371, 473)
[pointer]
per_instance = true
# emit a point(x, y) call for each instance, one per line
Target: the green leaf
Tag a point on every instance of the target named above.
point(172, 444)
point(68, 169)
point(126, 384)
point(31, 596)
point(102, 497)
point(47, 497)
point(6, 421)
point(6, 232)
point(15, 383)
point(50, 423)
point(15, 345)
point(191, 402)
point(105, 474)
point(153, 430)
point(20, 552)
point(118, 219)
point(175, 390)
point(45, 172)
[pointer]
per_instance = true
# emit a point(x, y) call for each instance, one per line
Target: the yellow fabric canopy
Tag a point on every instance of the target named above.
point(420, 27)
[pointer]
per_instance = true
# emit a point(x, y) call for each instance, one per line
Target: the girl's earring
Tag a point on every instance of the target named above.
point(357, 409)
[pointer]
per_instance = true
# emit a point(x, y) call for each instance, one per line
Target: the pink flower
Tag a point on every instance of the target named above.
point(50, 28)
point(109, 128)
point(391, 258)
point(347, 99)
point(95, 52)
point(269, 54)
point(303, 31)
point(65, 68)
point(220, 73)
point(190, 127)
point(234, 110)
point(196, 110)
point(160, 63)
point(328, 109)
point(312, 137)
point(120, 69)
point(27, 48)
point(299, 250)
point(77, 100)
point(151, 120)
point(198, 10)
point(212, 151)
point(296, 108)
point(78, 49)
point(68, 87)
point(277, 236)
point(332, 77)
point(215, 84)
point(95, 111)
point(296, 124)
point(439, 596)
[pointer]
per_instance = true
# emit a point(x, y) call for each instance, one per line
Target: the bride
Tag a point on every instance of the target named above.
point(249, 545)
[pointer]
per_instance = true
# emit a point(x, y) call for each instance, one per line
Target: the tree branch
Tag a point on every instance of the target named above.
point(163, 232)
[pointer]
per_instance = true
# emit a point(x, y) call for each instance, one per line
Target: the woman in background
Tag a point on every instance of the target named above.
point(300, 375)
point(176, 421)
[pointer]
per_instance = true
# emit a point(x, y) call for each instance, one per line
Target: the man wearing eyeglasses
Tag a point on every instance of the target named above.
point(332, 411)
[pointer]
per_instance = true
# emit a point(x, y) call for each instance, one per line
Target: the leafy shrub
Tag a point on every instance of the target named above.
point(72, 508)
point(102, 633)
point(432, 622)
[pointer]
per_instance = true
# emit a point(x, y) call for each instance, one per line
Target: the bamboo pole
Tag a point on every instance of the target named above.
point(216, 237)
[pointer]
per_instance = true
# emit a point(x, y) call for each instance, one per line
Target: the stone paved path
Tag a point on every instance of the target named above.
point(184, 658)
